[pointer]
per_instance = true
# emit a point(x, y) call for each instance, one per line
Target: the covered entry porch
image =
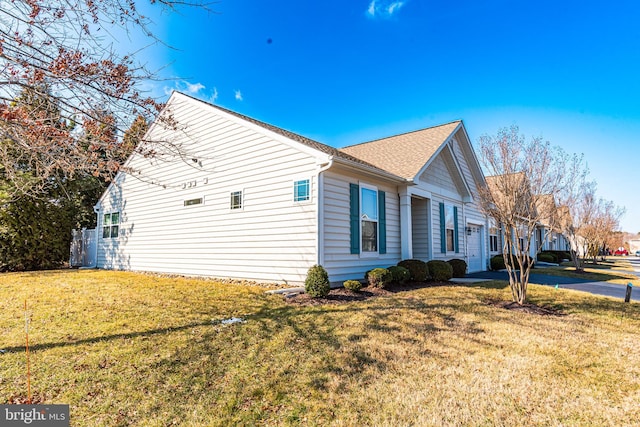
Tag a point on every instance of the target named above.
point(421, 223)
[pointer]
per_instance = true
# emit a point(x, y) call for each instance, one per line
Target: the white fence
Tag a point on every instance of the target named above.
point(83, 248)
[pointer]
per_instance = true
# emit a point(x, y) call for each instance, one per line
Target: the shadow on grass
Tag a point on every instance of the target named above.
point(128, 335)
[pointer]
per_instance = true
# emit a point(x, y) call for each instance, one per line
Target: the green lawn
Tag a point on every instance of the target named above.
point(133, 349)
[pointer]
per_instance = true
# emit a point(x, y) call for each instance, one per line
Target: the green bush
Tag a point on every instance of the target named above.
point(560, 255)
point(418, 269)
point(352, 285)
point(317, 282)
point(547, 257)
point(459, 267)
point(497, 262)
point(549, 254)
point(441, 271)
point(399, 274)
point(378, 277)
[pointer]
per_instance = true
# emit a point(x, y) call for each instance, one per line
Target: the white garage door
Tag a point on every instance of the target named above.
point(474, 249)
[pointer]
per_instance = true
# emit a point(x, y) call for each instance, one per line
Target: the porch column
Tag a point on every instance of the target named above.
point(406, 242)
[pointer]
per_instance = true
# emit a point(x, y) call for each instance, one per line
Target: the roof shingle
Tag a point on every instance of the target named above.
point(406, 154)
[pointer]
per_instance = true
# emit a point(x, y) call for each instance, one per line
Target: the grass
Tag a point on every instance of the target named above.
point(132, 349)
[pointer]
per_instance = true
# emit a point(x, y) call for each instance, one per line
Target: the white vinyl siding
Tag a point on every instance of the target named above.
point(270, 239)
point(439, 174)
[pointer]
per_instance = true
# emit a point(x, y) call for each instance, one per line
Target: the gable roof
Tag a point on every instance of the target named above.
point(400, 158)
point(404, 155)
point(323, 148)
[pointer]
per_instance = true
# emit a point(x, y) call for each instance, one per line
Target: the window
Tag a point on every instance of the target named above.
point(236, 200)
point(301, 190)
point(493, 239)
point(369, 219)
point(450, 228)
point(192, 202)
point(110, 225)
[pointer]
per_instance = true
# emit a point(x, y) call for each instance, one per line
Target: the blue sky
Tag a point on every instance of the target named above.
point(343, 72)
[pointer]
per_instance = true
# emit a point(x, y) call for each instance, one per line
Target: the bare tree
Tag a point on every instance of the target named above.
point(574, 208)
point(67, 51)
point(519, 173)
point(597, 231)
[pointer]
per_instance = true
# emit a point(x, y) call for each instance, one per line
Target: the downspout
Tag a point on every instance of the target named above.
point(320, 210)
point(464, 234)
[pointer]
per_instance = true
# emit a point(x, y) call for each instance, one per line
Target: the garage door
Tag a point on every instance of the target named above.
point(474, 249)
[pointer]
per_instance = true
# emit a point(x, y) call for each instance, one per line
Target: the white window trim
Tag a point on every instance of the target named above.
point(119, 225)
point(363, 253)
point(242, 200)
point(492, 227)
point(202, 203)
point(448, 206)
point(293, 191)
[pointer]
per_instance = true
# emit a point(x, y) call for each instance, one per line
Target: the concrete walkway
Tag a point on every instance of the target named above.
point(596, 288)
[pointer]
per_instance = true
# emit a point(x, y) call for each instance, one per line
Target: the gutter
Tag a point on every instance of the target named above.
point(320, 210)
point(373, 171)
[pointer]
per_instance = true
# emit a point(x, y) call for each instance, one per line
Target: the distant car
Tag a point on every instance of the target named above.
point(621, 252)
point(637, 253)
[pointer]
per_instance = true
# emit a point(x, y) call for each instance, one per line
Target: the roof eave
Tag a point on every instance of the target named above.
point(372, 171)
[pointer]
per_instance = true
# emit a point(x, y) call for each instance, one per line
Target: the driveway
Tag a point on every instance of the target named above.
point(596, 288)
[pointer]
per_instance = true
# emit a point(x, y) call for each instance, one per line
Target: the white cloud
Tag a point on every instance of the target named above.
point(372, 8)
point(184, 86)
point(384, 8)
point(194, 89)
point(238, 95)
point(394, 6)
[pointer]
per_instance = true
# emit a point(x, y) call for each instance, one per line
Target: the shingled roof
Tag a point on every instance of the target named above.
point(323, 148)
point(406, 154)
point(401, 156)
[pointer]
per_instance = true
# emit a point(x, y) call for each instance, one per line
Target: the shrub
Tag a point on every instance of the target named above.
point(352, 285)
point(497, 262)
point(317, 282)
point(378, 277)
point(547, 257)
point(399, 274)
point(441, 271)
point(418, 269)
point(459, 267)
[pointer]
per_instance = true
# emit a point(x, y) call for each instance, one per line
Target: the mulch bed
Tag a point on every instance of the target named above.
point(527, 308)
point(343, 296)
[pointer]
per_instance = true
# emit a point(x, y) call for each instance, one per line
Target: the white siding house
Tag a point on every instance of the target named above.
point(218, 194)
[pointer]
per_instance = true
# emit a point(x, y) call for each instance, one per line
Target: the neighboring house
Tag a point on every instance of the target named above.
point(223, 195)
point(536, 219)
point(549, 235)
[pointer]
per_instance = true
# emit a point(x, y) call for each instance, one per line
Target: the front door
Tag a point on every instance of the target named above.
point(474, 249)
